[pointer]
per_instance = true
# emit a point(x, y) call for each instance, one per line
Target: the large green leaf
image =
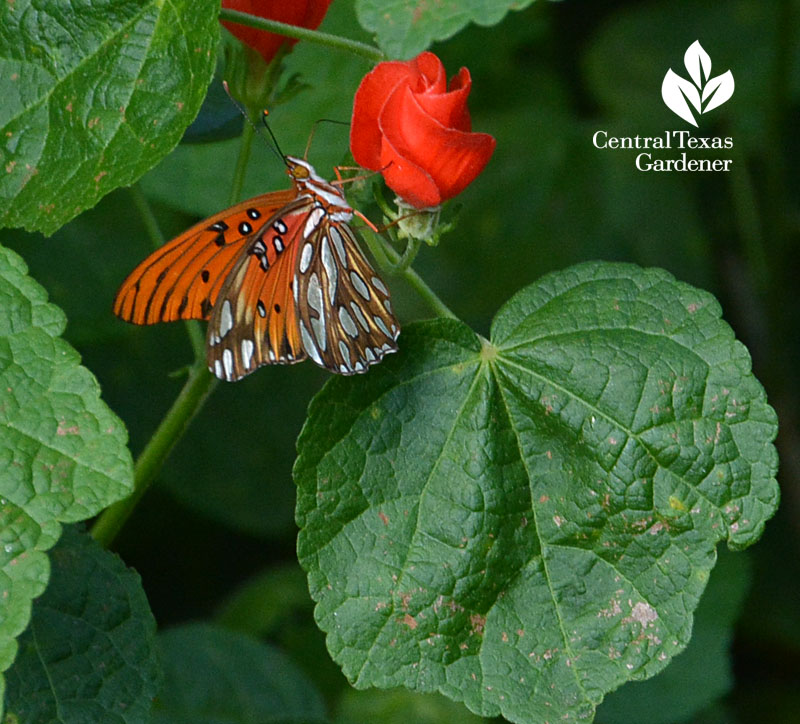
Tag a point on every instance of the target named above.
point(526, 524)
point(89, 655)
point(214, 676)
point(63, 454)
point(403, 28)
point(94, 94)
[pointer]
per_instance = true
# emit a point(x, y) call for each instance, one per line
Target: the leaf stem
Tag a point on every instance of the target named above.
point(155, 453)
point(196, 389)
point(240, 171)
point(369, 52)
point(382, 251)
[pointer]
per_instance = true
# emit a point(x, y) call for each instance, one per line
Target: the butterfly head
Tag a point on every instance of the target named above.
point(309, 182)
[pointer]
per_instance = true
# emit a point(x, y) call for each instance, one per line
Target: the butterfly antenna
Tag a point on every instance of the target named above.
point(243, 111)
point(314, 129)
point(264, 115)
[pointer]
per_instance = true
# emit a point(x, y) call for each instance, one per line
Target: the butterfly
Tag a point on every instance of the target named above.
point(280, 278)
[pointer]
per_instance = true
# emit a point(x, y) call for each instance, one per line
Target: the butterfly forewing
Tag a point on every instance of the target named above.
point(346, 319)
point(183, 278)
point(254, 321)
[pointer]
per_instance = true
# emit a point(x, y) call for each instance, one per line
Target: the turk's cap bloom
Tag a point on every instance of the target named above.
point(415, 128)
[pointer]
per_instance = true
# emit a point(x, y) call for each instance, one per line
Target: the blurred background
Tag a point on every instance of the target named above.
point(215, 538)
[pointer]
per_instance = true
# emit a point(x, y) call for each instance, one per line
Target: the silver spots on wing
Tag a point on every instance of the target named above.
point(305, 257)
point(314, 299)
point(245, 228)
point(313, 221)
point(338, 244)
point(347, 322)
point(382, 326)
point(315, 294)
point(344, 350)
point(330, 268)
point(280, 227)
point(379, 285)
point(227, 363)
point(247, 352)
point(362, 320)
point(225, 318)
point(359, 285)
point(277, 242)
point(308, 344)
point(262, 310)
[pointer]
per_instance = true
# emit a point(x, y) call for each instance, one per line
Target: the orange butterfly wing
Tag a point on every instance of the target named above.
point(182, 279)
point(255, 319)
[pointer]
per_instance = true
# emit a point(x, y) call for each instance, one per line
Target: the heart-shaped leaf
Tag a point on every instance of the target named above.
point(63, 453)
point(527, 523)
point(94, 94)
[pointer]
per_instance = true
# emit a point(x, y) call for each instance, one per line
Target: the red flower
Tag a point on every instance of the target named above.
point(302, 13)
point(411, 127)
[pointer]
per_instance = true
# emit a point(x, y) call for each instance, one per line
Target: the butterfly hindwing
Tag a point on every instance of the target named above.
point(345, 316)
point(182, 279)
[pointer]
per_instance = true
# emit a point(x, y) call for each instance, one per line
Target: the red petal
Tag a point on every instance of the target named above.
point(450, 157)
point(450, 108)
point(407, 179)
point(365, 134)
point(432, 74)
point(304, 14)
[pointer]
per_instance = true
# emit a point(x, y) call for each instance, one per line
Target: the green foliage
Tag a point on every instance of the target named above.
point(63, 452)
point(93, 96)
point(700, 675)
point(232, 679)
point(404, 28)
point(522, 523)
point(537, 513)
point(89, 654)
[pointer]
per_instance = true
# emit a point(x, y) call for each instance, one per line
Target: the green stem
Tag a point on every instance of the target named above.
point(240, 171)
point(369, 52)
point(409, 254)
point(155, 453)
point(382, 251)
point(198, 386)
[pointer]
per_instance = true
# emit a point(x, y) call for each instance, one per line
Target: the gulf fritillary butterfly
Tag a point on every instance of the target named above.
point(279, 278)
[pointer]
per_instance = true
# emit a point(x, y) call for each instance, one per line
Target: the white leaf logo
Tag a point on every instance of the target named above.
point(701, 93)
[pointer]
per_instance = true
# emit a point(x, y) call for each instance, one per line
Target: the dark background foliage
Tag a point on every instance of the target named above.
point(544, 81)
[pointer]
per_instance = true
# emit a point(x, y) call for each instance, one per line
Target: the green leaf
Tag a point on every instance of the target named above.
point(63, 453)
point(89, 655)
point(214, 676)
point(700, 675)
point(527, 524)
point(93, 96)
point(404, 28)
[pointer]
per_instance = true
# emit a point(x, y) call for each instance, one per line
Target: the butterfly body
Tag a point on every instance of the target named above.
point(280, 278)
